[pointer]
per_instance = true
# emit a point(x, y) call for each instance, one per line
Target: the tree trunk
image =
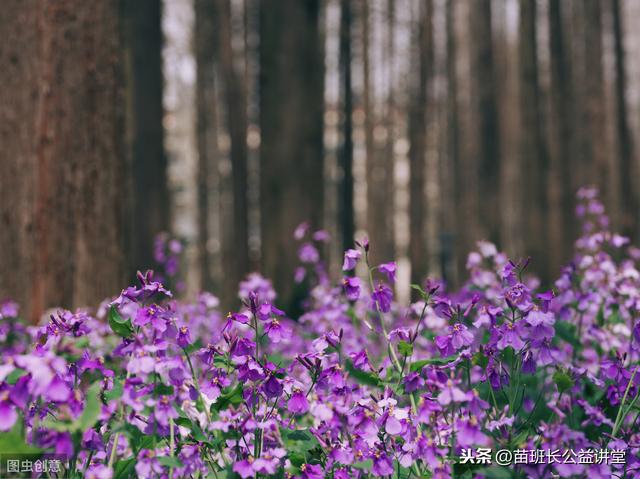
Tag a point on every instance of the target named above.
point(533, 154)
point(628, 170)
point(236, 260)
point(595, 153)
point(562, 229)
point(485, 121)
point(423, 59)
point(62, 181)
point(379, 178)
point(460, 238)
point(205, 45)
point(146, 134)
point(291, 120)
point(345, 200)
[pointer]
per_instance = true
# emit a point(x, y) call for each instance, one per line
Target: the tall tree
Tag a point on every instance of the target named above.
point(485, 120)
point(595, 143)
point(146, 134)
point(291, 120)
point(422, 60)
point(345, 200)
point(460, 192)
point(62, 181)
point(380, 136)
point(561, 188)
point(628, 170)
point(534, 159)
point(206, 130)
point(233, 90)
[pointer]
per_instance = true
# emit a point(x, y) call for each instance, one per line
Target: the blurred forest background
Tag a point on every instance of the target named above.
point(424, 124)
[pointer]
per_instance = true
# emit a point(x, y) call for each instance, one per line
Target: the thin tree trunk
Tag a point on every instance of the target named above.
point(291, 120)
point(595, 138)
point(628, 171)
point(145, 130)
point(485, 113)
point(418, 109)
point(532, 148)
point(205, 46)
point(460, 237)
point(561, 195)
point(345, 200)
point(234, 92)
point(62, 165)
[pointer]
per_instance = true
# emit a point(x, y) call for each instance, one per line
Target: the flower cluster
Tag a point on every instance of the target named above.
point(357, 386)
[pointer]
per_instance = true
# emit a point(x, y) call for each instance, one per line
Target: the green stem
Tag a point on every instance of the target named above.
point(620, 417)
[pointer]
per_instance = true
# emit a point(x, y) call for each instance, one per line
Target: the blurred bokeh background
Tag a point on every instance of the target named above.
point(425, 125)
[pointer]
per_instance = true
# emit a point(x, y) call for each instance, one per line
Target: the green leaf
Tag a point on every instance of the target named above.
point(119, 325)
point(563, 380)
point(124, 468)
point(300, 440)
point(12, 442)
point(364, 465)
point(91, 410)
point(14, 375)
point(495, 472)
point(363, 377)
point(163, 390)
point(405, 348)
point(418, 365)
point(115, 392)
point(230, 396)
point(169, 461)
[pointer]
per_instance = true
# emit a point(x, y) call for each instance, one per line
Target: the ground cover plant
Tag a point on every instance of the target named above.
point(498, 379)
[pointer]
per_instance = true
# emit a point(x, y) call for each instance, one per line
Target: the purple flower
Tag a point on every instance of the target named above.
point(311, 471)
point(244, 468)
point(8, 414)
point(351, 287)
point(451, 394)
point(308, 253)
point(541, 325)
point(459, 336)
point(164, 411)
point(238, 317)
point(147, 464)
point(381, 298)
point(298, 403)
point(382, 465)
point(510, 336)
point(276, 331)
point(272, 387)
point(360, 360)
point(184, 338)
point(412, 382)
point(519, 296)
point(390, 270)
point(351, 257)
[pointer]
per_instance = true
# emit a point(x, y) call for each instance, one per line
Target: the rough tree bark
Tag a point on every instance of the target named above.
point(345, 191)
point(418, 110)
point(291, 122)
point(233, 90)
point(62, 188)
point(485, 120)
point(534, 159)
point(145, 131)
point(205, 46)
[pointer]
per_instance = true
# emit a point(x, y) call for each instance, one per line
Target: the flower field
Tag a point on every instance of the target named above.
point(499, 379)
